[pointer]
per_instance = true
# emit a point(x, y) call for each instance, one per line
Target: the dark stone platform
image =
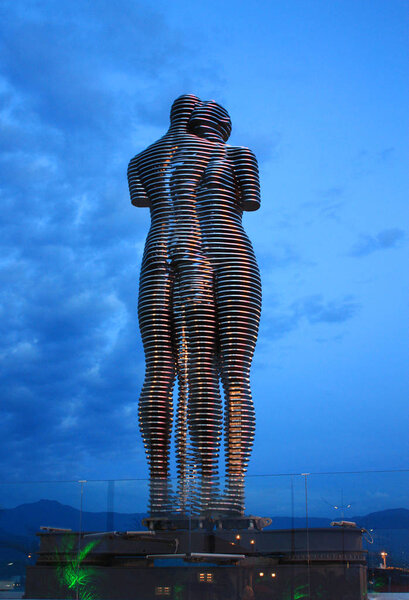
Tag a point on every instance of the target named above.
point(177, 522)
point(200, 564)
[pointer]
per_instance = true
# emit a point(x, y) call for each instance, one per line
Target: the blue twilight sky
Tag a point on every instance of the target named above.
point(319, 90)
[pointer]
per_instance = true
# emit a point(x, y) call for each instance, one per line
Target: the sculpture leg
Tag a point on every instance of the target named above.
point(155, 402)
point(194, 287)
point(238, 298)
point(182, 442)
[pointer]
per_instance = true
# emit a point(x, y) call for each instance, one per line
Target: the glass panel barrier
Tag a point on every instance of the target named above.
point(26, 510)
point(282, 546)
point(378, 503)
point(295, 540)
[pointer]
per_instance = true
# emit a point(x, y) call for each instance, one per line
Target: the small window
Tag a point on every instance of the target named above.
point(206, 577)
point(162, 590)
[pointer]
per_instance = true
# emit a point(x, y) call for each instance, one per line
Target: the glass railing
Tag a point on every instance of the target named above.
point(296, 539)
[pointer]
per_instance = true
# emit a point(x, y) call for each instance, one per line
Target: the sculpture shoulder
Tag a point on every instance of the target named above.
point(137, 192)
point(140, 167)
point(148, 153)
point(241, 153)
point(245, 169)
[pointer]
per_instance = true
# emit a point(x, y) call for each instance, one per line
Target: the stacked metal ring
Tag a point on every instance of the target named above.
point(199, 308)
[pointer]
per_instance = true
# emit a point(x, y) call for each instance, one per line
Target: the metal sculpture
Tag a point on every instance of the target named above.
point(199, 307)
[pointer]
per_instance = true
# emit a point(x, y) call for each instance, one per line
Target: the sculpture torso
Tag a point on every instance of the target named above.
point(192, 190)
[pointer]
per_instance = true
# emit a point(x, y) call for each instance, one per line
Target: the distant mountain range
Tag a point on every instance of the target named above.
point(26, 519)
point(18, 528)
point(396, 518)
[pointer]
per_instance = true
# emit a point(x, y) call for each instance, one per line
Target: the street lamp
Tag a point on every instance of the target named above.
point(384, 555)
point(342, 508)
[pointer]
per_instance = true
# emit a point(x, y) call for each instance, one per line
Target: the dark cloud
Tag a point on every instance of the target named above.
point(330, 202)
point(83, 87)
point(333, 191)
point(316, 310)
point(277, 325)
point(362, 164)
point(385, 239)
point(80, 62)
point(365, 162)
point(280, 255)
point(386, 154)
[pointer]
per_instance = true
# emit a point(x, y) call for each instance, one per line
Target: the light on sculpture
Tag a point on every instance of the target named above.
point(199, 307)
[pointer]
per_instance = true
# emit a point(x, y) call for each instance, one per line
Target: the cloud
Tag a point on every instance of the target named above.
point(279, 322)
point(385, 239)
point(277, 255)
point(277, 325)
point(366, 161)
point(333, 192)
point(386, 154)
point(316, 310)
point(330, 202)
point(83, 87)
point(81, 62)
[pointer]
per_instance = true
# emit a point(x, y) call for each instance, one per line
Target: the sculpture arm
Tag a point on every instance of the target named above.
point(245, 169)
point(138, 195)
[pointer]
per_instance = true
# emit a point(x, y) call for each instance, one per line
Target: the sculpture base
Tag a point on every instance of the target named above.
point(198, 565)
point(179, 522)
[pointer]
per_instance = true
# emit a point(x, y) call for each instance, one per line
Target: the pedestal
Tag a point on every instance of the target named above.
point(200, 564)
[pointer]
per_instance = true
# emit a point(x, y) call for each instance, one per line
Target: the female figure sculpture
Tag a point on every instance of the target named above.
point(199, 304)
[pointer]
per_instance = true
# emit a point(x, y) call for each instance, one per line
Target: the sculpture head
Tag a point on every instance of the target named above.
point(181, 110)
point(211, 121)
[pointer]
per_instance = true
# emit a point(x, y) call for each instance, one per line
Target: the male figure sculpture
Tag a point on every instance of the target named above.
point(199, 305)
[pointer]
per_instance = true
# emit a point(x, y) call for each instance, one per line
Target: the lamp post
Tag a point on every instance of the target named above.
point(384, 555)
point(342, 507)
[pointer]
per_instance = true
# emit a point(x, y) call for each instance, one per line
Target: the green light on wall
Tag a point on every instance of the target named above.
point(300, 592)
point(72, 575)
point(178, 592)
